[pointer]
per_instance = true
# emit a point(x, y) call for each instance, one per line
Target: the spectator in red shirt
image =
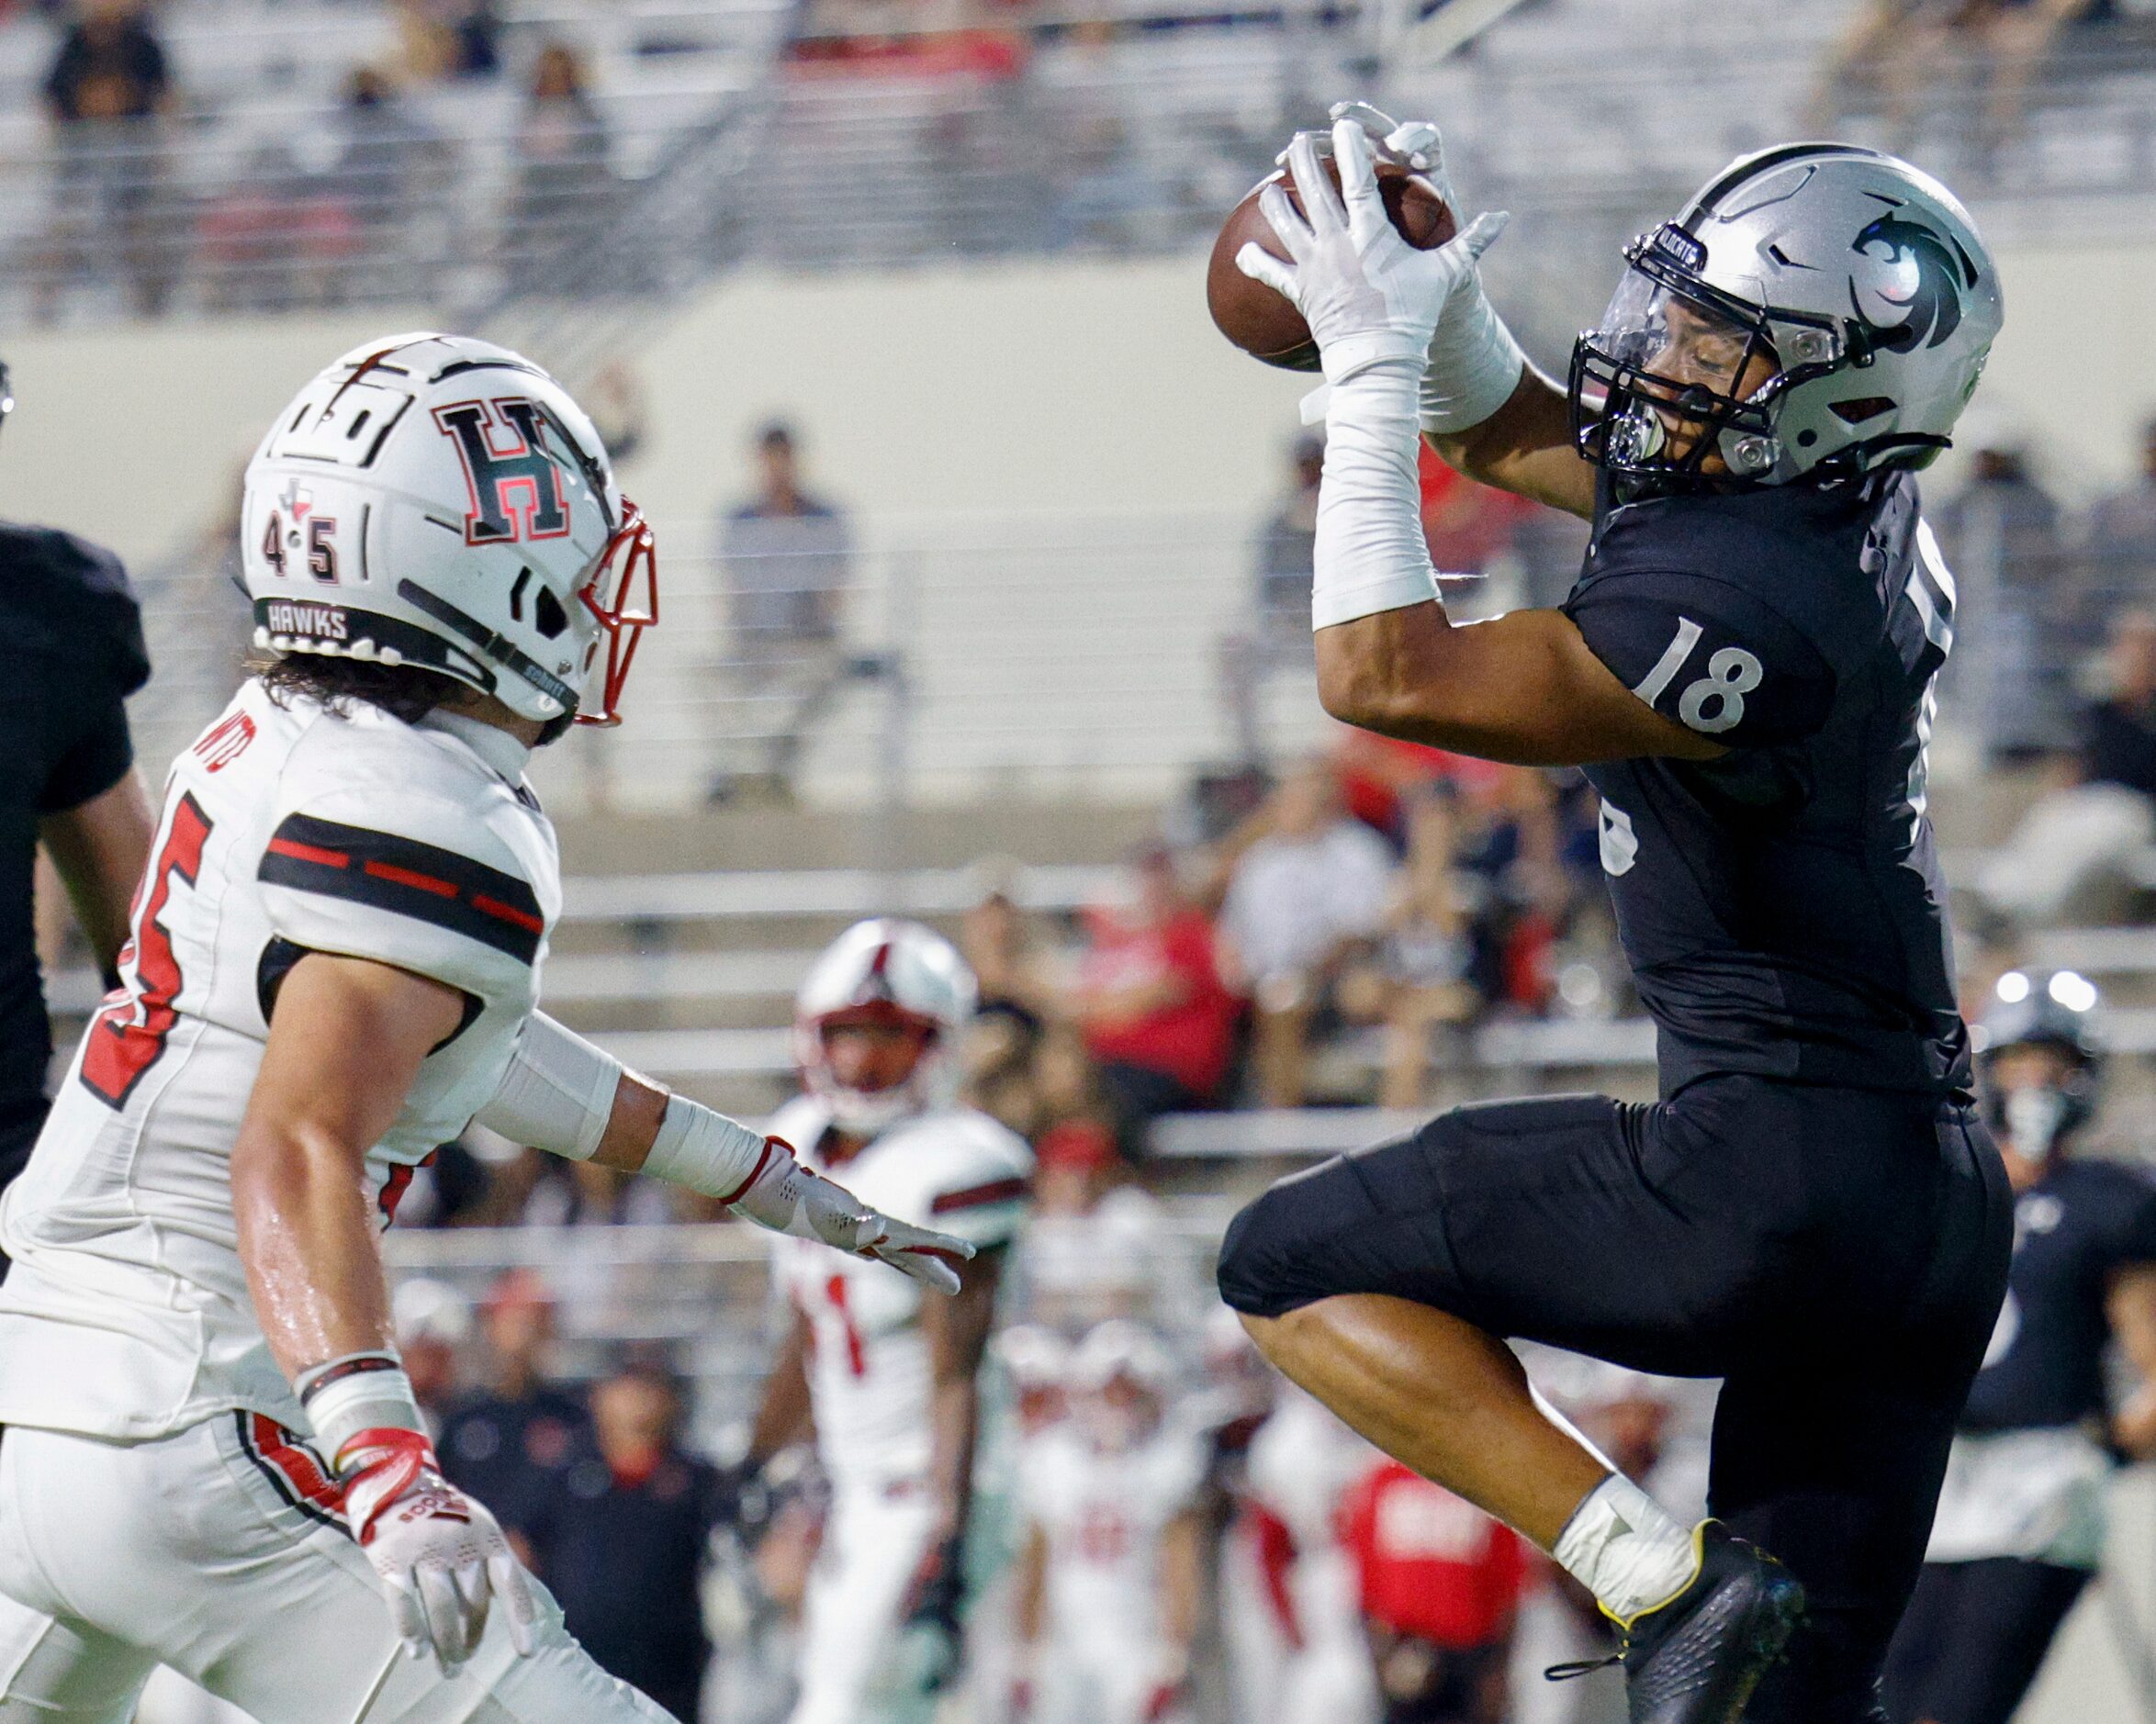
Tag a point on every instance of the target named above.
point(1440, 1585)
point(1156, 1015)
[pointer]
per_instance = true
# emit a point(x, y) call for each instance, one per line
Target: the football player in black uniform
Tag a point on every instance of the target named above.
point(2020, 1524)
point(71, 653)
point(1813, 1211)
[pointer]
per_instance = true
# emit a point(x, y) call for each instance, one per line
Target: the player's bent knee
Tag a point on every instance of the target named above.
point(1278, 1254)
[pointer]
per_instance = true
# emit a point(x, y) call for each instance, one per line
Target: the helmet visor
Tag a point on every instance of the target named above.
point(1665, 373)
point(622, 596)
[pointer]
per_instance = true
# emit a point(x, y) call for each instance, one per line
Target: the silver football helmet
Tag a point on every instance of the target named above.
point(1817, 307)
point(2035, 1008)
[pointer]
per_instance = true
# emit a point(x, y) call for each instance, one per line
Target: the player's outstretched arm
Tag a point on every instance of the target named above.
point(567, 1096)
point(347, 1036)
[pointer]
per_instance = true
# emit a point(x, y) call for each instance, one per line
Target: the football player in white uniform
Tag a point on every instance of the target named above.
point(213, 1458)
point(1112, 1570)
point(888, 1377)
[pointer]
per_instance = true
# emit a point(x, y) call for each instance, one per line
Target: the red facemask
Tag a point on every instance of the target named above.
point(622, 594)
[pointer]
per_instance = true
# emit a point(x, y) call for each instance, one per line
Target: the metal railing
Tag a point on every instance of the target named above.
point(1110, 128)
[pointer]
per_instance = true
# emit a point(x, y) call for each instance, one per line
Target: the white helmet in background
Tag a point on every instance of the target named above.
point(893, 973)
point(441, 502)
point(1121, 1376)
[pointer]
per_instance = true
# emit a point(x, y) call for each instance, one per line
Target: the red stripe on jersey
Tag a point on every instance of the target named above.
point(406, 877)
point(294, 1464)
point(508, 913)
point(309, 853)
point(980, 1196)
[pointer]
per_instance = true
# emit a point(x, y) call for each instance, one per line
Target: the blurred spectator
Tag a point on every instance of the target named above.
point(2009, 675)
point(1098, 1246)
point(1898, 50)
point(1011, 1023)
point(1277, 636)
point(785, 560)
point(432, 1322)
point(105, 94)
point(1305, 898)
point(476, 27)
point(1440, 1584)
point(2073, 856)
point(388, 161)
point(563, 184)
point(508, 1443)
point(1156, 1017)
point(1426, 954)
point(2119, 547)
point(621, 1539)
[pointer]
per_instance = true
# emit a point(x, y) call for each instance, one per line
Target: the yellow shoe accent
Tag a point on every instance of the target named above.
point(1699, 1563)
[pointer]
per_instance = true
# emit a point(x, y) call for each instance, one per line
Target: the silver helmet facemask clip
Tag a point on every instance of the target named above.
point(1654, 390)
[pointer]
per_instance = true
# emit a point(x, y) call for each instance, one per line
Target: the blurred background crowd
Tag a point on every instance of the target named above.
point(1056, 705)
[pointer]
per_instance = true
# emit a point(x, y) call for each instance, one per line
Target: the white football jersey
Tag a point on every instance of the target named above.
point(1102, 1512)
point(285, 831)
point(954, 1170)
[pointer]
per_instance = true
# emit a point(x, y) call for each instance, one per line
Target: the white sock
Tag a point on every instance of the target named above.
point(1623, 1548)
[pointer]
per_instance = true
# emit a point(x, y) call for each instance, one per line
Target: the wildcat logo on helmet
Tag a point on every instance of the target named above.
point(1908, 291)
point(515, 492)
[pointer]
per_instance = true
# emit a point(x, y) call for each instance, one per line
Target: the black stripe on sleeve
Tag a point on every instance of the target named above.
point(407, 878)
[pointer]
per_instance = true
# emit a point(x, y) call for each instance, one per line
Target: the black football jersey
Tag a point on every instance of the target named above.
point(2073, 1230)
point(71, 652)
point(1781, 906)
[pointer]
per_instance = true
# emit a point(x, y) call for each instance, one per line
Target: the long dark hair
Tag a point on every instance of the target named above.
point(403, 691)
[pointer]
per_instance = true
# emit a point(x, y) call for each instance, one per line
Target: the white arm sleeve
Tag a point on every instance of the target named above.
point(559, 1092)
point(1371, 555)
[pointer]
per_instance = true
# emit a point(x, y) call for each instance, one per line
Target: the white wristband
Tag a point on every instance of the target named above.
point(702, 1149)
point(559, 1092)
point(356, 1392)
point(1473, 363)
point(1370, 554)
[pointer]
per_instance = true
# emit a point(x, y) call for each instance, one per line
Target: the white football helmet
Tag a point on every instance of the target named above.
point(439, 501)
point(1860, 279)
point(1121, 1376)
point(885, 970)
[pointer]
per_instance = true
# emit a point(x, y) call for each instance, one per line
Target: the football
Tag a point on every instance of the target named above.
point(1262, 321)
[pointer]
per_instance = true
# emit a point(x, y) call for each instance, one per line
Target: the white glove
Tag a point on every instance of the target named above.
point(787, 1198)
point(440, 1556)
point(1367, 295)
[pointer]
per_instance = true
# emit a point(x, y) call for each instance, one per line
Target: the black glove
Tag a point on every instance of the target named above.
point(935, 1610)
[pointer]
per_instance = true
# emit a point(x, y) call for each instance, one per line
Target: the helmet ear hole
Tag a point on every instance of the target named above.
point(1865, 406)
point(547, 614)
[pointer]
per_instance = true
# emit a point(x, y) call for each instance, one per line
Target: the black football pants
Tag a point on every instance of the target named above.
point(1837, 1257)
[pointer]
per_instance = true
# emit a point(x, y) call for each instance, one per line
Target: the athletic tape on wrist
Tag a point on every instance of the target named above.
point(357, 1392)
point(699, 1147)
point(1473, 363)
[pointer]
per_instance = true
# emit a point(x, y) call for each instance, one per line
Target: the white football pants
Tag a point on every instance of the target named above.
point(873, 1542)
point(215, 1551)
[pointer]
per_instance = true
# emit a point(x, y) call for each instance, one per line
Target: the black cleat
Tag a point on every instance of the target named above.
point(1696, 1659)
